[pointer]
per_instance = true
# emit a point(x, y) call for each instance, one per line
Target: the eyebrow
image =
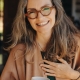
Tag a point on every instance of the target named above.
point(41, 7)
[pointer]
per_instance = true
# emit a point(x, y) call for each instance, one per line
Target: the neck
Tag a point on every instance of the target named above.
point(42, 40)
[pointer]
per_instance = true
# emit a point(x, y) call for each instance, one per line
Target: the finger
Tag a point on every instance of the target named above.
point(41, 62)
point(50, 63)
point(47, 70)
point(49, 74)
point(46, 66)
point(55, 75)
point(61, 60)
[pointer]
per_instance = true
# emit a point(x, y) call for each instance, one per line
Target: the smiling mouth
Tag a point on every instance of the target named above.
point(42, 24)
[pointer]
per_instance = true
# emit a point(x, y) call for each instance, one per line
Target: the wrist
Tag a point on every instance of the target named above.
point(75, 75)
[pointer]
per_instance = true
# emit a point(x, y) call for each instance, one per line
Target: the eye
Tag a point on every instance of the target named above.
point(46, 8)
point(32, 11)
point(46, 11)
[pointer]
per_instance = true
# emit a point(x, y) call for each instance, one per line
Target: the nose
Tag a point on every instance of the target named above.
point(39, 15)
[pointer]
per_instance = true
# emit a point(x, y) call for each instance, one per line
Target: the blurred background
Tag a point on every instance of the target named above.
point(8, 10)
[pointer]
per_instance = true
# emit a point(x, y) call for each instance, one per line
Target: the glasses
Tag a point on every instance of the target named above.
point(33, 13)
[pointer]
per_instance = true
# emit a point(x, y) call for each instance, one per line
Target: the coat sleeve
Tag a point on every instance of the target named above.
point(77, 61)
point(9, 71)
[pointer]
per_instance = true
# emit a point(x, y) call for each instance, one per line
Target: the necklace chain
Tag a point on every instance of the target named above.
point(42, 50)
point(40, 47)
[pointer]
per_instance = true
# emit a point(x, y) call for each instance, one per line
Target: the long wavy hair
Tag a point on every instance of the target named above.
point(62, 41)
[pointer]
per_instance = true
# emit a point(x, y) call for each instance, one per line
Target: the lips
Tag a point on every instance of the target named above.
point(42, 23)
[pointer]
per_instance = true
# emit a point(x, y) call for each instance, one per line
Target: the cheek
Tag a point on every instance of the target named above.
point(52, 20)
point(53, 17)
point(32, 22)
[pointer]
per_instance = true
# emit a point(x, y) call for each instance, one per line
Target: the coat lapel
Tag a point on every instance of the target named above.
point(33, 69)
point(20, 67)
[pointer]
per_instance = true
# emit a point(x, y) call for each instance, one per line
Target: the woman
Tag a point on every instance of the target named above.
point(44, 43)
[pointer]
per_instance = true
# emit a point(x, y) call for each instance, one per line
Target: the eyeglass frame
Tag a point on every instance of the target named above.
point(40, 12)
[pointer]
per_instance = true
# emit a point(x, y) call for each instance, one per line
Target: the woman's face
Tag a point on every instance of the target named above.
point(41, 24)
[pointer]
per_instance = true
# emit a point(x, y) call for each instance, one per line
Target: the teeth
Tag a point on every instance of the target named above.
point(41, 24)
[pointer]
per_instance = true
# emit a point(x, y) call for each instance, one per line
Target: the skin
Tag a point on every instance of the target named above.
point(43, 32)
point(46, 29)
point(60, 70)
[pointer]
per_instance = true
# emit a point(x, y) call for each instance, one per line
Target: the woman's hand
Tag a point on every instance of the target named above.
point(59, 70)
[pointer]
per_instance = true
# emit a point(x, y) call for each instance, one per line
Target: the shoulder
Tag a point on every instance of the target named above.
point(20, 47)
point(17, 50)
point(77, 55)
point(77, 38)
point(9, 70)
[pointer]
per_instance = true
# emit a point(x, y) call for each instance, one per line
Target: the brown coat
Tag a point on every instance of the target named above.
point(15, 68)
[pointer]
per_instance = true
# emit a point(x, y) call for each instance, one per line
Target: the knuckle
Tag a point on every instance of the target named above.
point(49, 66)
point(65, 62)
point(58, 66)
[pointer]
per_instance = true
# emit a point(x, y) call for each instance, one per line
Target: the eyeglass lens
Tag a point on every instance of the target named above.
point(33, 13)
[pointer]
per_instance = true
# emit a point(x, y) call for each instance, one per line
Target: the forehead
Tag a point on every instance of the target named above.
point(37, 4)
